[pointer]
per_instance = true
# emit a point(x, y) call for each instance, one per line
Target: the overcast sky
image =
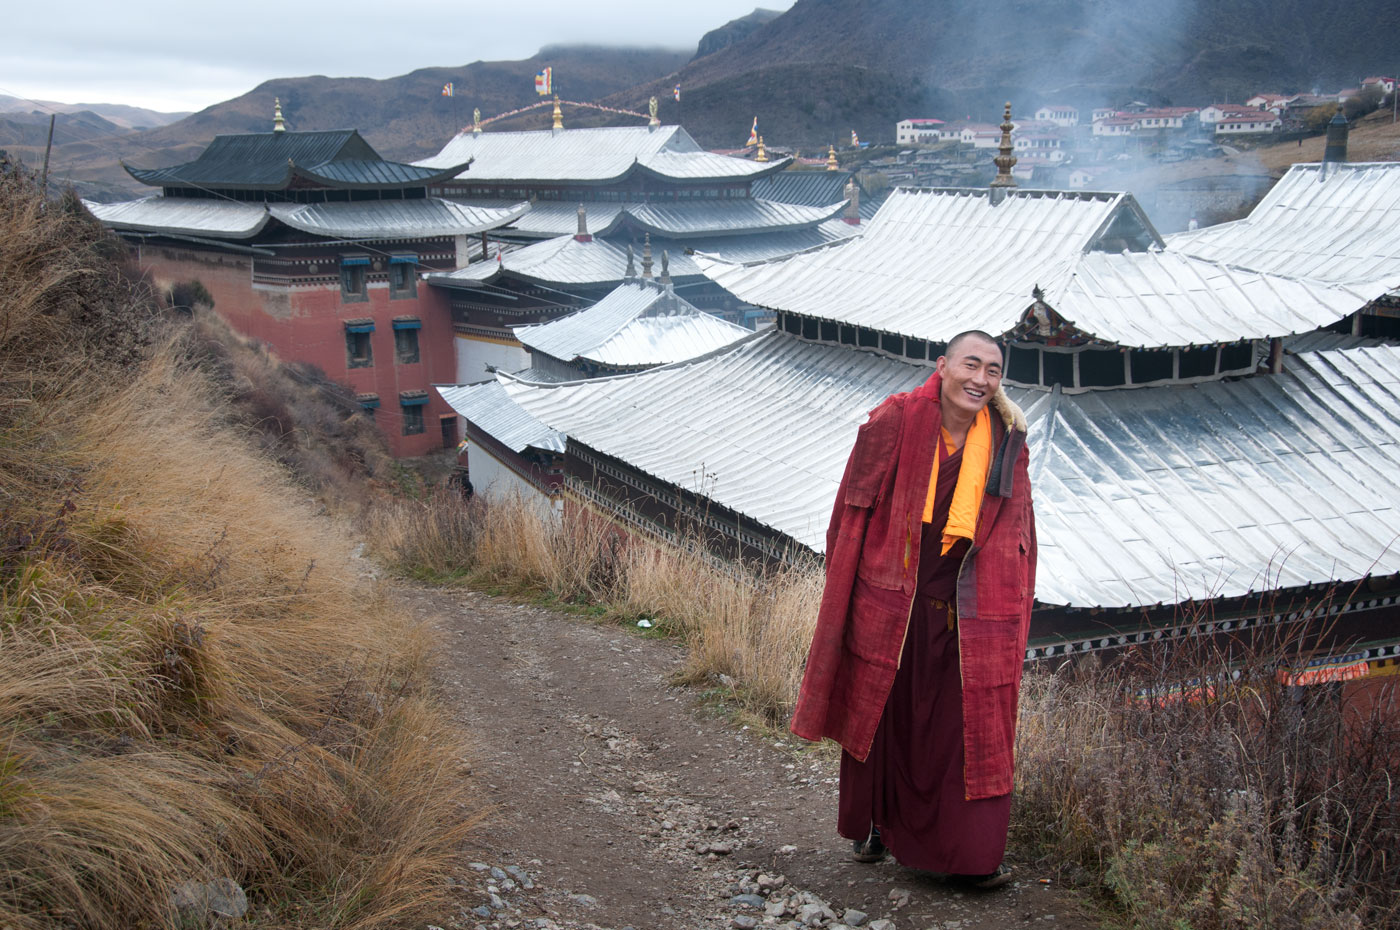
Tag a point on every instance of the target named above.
point(186, 56)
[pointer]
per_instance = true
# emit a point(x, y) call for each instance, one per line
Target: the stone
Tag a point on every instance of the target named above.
point(787, 850)
point(882, 924)
point(775, 909)
point(748, 900)
point(478, 866)
point(721, 849)
point(587, 900)
point(811, 915)
point(853, 917)
point(744, 922)
point(481, 910)
point(498, 874)
point(198, 901)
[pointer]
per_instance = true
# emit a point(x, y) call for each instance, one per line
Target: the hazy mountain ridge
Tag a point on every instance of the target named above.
point(736, 30)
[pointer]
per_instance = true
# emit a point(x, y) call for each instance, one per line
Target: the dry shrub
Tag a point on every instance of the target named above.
point(193, 685)
point(1236, 803)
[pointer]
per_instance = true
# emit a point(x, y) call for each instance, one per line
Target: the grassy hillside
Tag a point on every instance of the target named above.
point(196, 685)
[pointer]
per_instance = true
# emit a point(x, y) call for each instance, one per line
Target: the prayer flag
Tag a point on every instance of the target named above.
point(447, 89)
point(544, 82)
point(753, 133)
point(677, 93)
point(855, 139)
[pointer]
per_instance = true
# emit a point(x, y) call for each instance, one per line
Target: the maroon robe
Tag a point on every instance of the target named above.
point(911, 784)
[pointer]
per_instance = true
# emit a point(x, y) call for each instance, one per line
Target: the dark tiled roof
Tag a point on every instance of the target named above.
point(337, 158)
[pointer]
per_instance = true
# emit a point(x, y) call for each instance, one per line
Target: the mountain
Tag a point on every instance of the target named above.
point(734, 31)
point(828, 66)
point(404, 117)
point(119, 115)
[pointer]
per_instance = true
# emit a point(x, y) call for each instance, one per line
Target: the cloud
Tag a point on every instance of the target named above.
point(181, 56)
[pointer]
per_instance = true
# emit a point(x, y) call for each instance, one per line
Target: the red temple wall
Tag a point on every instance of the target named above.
point(306, 323)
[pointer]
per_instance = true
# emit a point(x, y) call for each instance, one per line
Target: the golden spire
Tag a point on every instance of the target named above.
point(762, 152)
point(1005, 161)
point(559, 114)
point(831, 159)
point(476, 121)
point(278, 124)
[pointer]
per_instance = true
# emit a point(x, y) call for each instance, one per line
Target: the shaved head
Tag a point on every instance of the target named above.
point(962, 337)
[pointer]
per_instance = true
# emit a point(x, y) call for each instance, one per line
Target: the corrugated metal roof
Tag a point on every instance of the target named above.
point(636, 324)
point(565, 260)
point(490, 409)
point(936, 262)
point(390, 219)
point(808, 188)
point(1146, 496)
point(367, 219)
point(590, 155)
point(269, 160)
point(1336, 224)
point(1326, 341)
point(723, 217)
point(223, 219)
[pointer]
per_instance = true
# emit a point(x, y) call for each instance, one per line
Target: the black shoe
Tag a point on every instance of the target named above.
point(1002, 876)
point(870, 849)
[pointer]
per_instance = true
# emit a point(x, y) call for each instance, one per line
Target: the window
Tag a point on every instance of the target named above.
point(448, 425)
point(406, 339)
point(359, 353)
point(411, 403)
point(354, 274)
point(368, 403)
point(403, 281)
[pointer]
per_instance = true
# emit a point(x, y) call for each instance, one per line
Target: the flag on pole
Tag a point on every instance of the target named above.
point(753, 133)
point(544, 82)
point(677, 93)
point(855, 139)
point(447, 89)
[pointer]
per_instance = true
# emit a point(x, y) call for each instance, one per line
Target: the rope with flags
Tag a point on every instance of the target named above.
point(572, 103)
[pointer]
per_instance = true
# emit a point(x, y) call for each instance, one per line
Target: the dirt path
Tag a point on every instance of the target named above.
point(618, 801)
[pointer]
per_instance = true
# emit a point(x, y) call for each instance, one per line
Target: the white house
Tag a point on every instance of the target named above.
point(1248, 123)
point(1043, 146)
point(1103, 113)
point(1067, 117)
point(1387, 85)
point(914, 131)
point(1218, 111)
point(1165, 118)
point(1115, 126)
point(1275, 102)
point(972, 131)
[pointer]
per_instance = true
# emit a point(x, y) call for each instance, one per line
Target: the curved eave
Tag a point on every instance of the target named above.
point(428, 176)
point(761, 225)
point(764, 171)
point(112, 216)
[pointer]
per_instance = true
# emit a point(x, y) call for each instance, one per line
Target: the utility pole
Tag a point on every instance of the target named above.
point(48, 148)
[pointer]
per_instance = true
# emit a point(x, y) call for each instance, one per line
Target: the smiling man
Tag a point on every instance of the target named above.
point(916, 661)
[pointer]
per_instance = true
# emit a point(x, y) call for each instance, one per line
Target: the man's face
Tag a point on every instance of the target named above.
point(971, 374)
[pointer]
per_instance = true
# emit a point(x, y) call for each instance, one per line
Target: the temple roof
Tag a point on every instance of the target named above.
point(565, 260)
point(933, 263)
point(592, 156)
point(369, 219)
point(1336, 224)
point(490, 409)
point(1157, 495)
point(685, 218)
point(336, 158)
point(638, 324)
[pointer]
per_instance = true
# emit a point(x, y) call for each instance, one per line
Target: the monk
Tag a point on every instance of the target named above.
point(921, 635)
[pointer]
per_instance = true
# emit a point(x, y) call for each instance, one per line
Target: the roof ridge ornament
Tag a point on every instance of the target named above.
point(646, 259)
point(762, 152)
point(476, 121)
point(582, 235)
point(652, 106)
point(831, 164)
point(1004, 161)
point(665, 279)
point(631, 273)
point(278, 123)
point(852, 192)
point(559, 115)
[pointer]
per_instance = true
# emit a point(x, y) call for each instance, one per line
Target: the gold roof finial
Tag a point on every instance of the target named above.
point(1004, 161)
point(278, 123)
point(762, 152)
point(831, 159)
point(476, 121)
point(558, 114)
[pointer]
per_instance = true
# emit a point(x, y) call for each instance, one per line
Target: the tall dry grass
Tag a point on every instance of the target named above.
point(1233, 803)
point(748, 627)
point(193, 685)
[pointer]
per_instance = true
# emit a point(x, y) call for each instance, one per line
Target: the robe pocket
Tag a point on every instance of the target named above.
point(879, 617)
point(992, 653)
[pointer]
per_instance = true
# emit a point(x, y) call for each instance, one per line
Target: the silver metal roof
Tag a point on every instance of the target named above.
point(224, 219)
point(564, 260)
point(489, 408)
point(933, 263)
point(367, 219)
point(679, 219)
point(590, 155)
point(636, 324)
point(391, 219)
point(1336, 224)
point(1146, 496)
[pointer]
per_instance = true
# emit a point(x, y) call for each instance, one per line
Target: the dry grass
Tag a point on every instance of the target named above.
point(192, 684)
point(748, 629)
point(1241, 806)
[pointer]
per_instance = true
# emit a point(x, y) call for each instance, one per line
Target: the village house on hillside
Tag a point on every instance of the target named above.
point(1180, 454)
point(600, 199)
point(314, 245)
